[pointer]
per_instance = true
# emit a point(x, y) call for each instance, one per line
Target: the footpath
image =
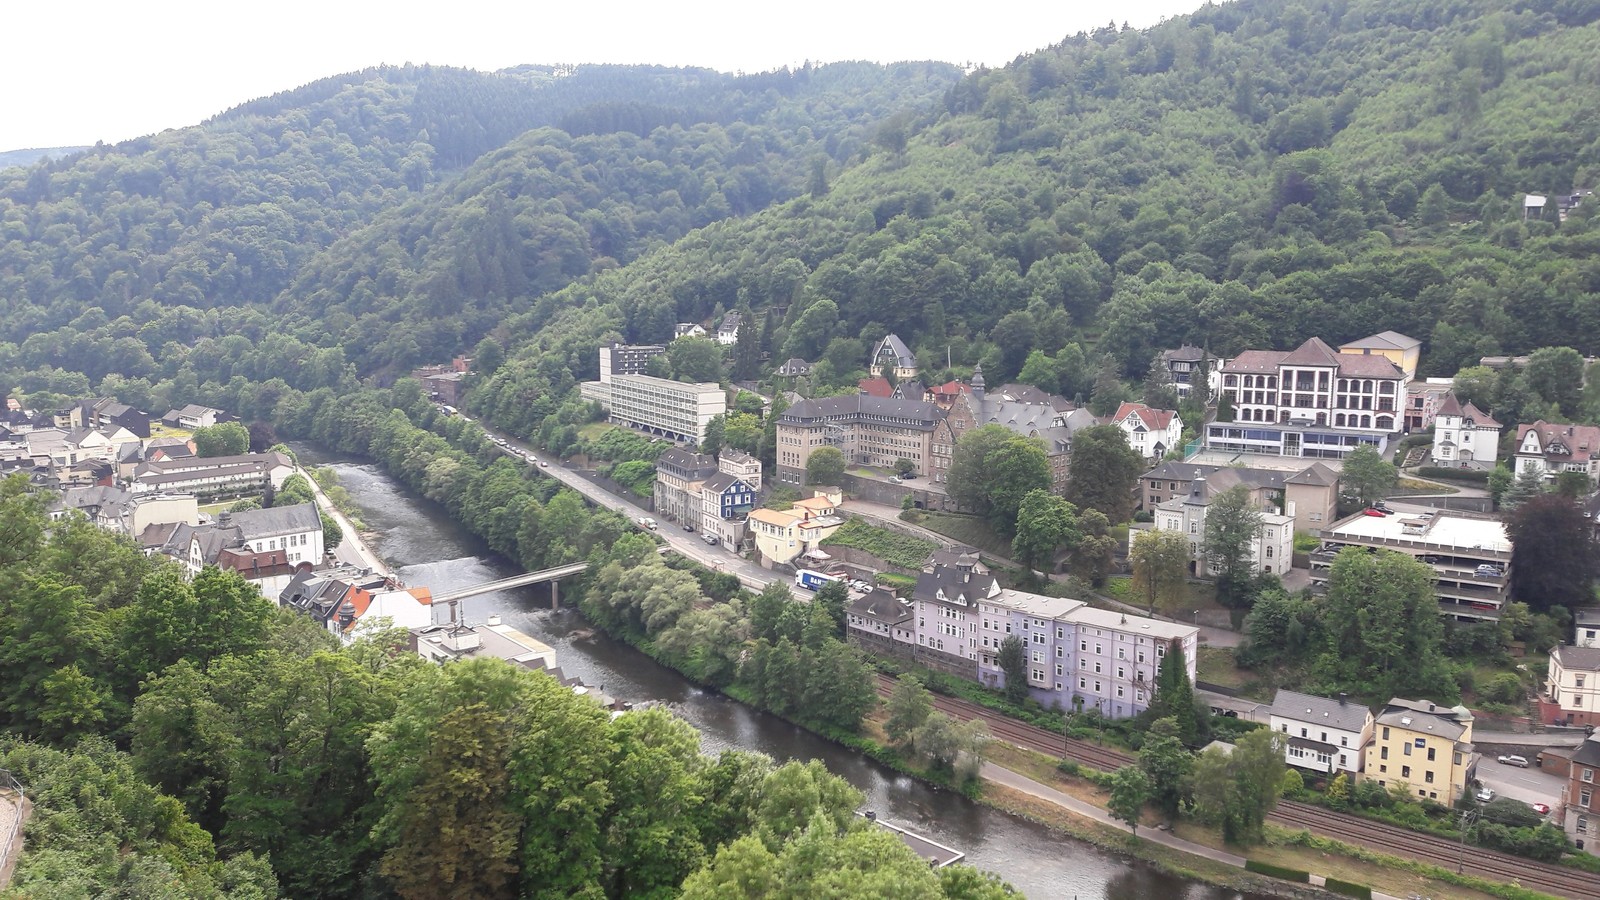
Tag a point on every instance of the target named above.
point(352, 550)
point(1026, 785)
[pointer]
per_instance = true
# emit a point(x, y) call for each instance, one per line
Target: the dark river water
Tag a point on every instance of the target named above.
point(427, 548)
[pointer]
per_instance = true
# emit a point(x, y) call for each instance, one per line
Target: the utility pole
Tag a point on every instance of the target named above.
point(1469, 817)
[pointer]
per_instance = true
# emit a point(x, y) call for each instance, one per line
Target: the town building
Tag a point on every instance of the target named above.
point(1321, 735)
point(792, 536)
point(1422, 748)
point(794, 367)
point(679, 473)
point(1586, 627)
point(455, 641)
point(1423, 399)
point(445, 387)
point(214, 477)
point(106, 414)
point(893, 356)
point(1152, 433)
point(869, 431)
point(1311, 401)
point(1550, 449)
point(880, 622)
point(122, 512)
point(675, 410)
point(627, 359)
point(267, 547)
point(1571, 687)
point(1078, 657)
point(1187, 364)
point(725, 504)
point(1311, 495)
point(1022, 410)
point(740, 465)
point(688, 329)
point(1397, 348)
point(195, 416)
point(1272, 550)
point(1464, 436)
point(1469, 554)
point(876, 386)
point(728, 331)
point(1581, 818)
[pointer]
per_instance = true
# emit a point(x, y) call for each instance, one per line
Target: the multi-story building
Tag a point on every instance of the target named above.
point(740, 465)
point(214, 476)
point(1187, 364)
point(728, 331)
point(1582, 816)
point(1322, 735)
point(675, 410)
point(725, 503)
point(1311, 401)
point(677, 490)
point(783, 537)
point(1422, 748)
point(1423, 400)
point(1150, 432)
point(1470, 555)
point(1030, 413)
point(1550, 449)
point(880, 622)
point(892, 355)
point(1464, 436)
point(1397, 348)
point(1572, 687)
point(627, 359)
point(106, 414)
point(1273, 547)
point(871, 431)
point(1077, 657)
point(265, 546)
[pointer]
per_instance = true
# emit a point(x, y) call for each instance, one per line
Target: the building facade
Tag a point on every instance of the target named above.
point(1034, 414)
point(1321, 735)
point(1405, 352)
point(1311, 401)
point(1423, 749)
point(1423, 400)
point(676, 410)
point(1572, 686)
point(1273, 547)
point(1581, 818)
point(679, 473)
point(870, 431)
point(1151, 432)
point(789, 537)
point(1187, 366)
point(725, 503)
point(1464, 436)
point(893, 356)
point(627, 359)
point(1551, 449)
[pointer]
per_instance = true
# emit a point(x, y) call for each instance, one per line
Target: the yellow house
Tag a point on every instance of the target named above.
point(1424, 748)
point(783, 536)
point(1391, 345)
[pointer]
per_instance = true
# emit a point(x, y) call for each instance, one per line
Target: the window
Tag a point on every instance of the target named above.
point(1405, 771)
point(1383, 752)
point(1588, 776)
point(1583, 825)
point(1428, 776)
point(1097, 687)
point(1059, 668)
point(1386, 732)
point(1430, 754)
point(1579, 681)
point(1302, 732)
point(1406, 749)
point(1083, 683)
point(1584, 796)
point(1344, 741)
point(1083, 646)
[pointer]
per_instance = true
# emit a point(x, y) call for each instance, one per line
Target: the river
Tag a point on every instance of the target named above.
point(426, 547)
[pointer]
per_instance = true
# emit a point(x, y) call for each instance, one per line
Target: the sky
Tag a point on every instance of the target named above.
point(109, 70)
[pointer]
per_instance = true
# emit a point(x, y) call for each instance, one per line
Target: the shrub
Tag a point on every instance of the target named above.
point(1477, 476)
point(1348, 889)
point(1283, 872)
point(894, 548)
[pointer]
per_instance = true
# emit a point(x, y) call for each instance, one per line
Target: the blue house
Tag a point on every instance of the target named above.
point(725, 502)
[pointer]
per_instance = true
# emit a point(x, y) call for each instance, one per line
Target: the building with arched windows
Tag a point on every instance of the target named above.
point(1312, 401)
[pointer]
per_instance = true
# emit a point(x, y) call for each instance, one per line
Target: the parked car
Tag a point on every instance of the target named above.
point(688, 527)
point(710, 539)
point(1542, 809)
point(894, 479)
point(1380, 506)
point(1374, 511)
point(1518, 761)
point(1489, 571)
point(1485, 794)
point(543, 464)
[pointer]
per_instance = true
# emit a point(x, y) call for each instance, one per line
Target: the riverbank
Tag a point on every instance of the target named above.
point(353, 549)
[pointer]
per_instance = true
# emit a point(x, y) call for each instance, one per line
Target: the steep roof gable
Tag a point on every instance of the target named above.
point(1314, 352)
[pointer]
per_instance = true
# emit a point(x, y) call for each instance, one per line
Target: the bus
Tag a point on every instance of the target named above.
point(812, 581)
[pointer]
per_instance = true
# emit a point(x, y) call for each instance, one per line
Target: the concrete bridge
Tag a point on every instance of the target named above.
point(552, 575)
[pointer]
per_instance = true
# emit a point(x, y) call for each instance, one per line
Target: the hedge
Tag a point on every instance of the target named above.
point(1283, 872)
point(1477, 476)
point(1362, 892)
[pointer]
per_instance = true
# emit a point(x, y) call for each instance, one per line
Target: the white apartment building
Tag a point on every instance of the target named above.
point(1464, 436)
point(1273, 547)
point(1322, 735)
point(675, 410)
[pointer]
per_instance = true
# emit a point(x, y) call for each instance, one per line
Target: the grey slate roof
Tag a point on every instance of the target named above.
point(1317, 475)
point(260, 523)
point(1587, 658)
point(720, 482)
point(1310, 708)
point(903, 356)
point(1440, 720)
point(957, 587)
point(918, 411)
point(881, 606)
point(1588, 754)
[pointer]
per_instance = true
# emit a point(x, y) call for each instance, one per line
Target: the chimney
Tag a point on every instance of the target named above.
point(1343, 697)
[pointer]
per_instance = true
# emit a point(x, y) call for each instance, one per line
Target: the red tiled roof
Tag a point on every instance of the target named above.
point(1314, 352)
point(1360, 365)
point(1264, 362)
point(1450, 406)
point(1583, 441)
point(1154, 419)
point(876, 387)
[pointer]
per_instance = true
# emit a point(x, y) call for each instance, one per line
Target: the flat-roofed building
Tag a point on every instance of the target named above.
point(627, 359)
point(676, 410)
point(1470, 555)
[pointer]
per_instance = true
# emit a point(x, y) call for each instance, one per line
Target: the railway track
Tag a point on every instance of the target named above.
point(1560, 881)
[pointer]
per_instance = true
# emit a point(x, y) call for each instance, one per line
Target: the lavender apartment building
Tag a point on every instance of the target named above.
point(1077, 656)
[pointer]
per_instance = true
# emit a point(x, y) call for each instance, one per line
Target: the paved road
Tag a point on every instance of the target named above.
point(682, 542)
point(1530, 785)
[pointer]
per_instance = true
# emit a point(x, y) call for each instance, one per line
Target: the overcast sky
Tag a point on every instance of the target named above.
point(112, 69)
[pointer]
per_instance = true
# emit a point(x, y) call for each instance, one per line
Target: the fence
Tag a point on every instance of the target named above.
point(10, 791)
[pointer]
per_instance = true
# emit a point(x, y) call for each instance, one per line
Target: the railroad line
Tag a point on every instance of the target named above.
point(1560, 881)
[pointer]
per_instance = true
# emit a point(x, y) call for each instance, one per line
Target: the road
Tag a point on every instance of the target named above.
point(684, 543)
point(1530, 785)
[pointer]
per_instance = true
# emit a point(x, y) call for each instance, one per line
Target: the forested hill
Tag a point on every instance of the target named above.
point(170, 230)
point(1250, 175)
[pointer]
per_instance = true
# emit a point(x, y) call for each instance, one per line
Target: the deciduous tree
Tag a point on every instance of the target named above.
point(825, 466)
point(1104, 470)
point(1553, 560)
point(1013, 661)
point(1233, 526)
point(1160, 562)
point(1368, 475)
point(1130, 790)
point(1046, 524)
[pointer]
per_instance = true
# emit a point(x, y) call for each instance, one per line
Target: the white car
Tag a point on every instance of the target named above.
point(1485, 795)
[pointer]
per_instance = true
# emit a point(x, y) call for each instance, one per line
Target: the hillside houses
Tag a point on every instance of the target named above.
point(1550, 449)
point(1464, 436)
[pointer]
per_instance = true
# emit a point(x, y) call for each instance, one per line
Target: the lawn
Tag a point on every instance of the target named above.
point(593, 430)
point(1216, 666)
